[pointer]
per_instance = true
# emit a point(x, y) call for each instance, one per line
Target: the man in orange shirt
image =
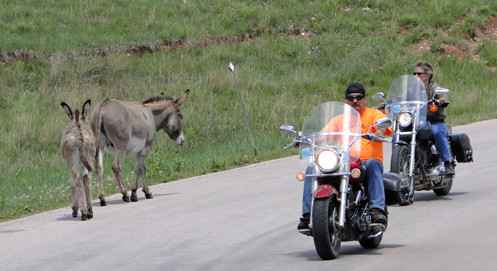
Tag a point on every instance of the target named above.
point(371, 154)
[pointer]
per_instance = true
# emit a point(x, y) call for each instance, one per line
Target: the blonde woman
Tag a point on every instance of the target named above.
point(424, 71)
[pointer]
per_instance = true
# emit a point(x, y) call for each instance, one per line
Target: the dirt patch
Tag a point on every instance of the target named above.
point(467, 47)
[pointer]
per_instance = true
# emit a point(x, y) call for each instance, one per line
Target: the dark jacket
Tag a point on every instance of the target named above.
point(439, 115)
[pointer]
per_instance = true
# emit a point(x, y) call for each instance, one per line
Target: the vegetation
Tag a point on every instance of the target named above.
point(289, 56)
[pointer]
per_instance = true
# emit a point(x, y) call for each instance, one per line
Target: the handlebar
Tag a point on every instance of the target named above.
point(291, 145)
point(380, 107)
point(296, 142)
point(372, 137)
point(437, 102)
point(368, 136)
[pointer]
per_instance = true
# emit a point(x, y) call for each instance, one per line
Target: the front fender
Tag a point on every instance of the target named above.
point(401, 142)
point(324, 191)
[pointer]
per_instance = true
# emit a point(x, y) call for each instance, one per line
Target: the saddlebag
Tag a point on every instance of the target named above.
point(461, 148)
point(393, 184)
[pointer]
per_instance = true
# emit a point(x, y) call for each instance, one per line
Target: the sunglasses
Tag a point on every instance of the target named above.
point(418, 73)
point(351, 98)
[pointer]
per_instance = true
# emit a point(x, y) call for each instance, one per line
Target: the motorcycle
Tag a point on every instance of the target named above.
point(414, 154)
point(340, 205)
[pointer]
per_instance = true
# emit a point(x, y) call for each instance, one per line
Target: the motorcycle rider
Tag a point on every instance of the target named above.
point(371, 154)
point(424, 71)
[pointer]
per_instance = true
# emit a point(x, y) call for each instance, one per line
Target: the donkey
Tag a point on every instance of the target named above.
point(123, 128)
point(78, 149)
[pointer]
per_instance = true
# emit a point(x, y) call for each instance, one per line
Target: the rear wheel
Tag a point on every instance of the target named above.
point(444, 190)
point(400, 164)
point(326, 231)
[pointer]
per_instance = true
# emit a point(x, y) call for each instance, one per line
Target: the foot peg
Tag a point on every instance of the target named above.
point(306, 232)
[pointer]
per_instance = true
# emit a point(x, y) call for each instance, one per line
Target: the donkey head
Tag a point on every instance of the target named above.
point(77, 115)
point(173, 125)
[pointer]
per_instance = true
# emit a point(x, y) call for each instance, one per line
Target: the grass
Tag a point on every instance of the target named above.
point(289, 56)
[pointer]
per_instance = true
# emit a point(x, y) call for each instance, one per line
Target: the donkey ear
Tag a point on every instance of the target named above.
point(182, 98)
point(67, 109)
point(86, 109)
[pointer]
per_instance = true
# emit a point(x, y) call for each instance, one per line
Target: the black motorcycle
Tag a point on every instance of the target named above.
point(414, 154)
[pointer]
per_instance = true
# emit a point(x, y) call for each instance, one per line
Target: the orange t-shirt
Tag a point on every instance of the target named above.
point(372, 149)
point(369, 149)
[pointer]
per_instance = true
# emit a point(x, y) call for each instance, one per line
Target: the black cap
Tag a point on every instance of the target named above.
point(355, 88)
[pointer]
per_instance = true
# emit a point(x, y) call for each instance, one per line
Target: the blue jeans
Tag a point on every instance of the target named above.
point(440, 134)
point(373, 178)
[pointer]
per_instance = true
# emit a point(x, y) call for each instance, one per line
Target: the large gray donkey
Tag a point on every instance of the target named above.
point(123, 128)
point(78, 149)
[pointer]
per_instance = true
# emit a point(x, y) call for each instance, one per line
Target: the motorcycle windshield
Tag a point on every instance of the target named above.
point(331, 125)
point(407, 94)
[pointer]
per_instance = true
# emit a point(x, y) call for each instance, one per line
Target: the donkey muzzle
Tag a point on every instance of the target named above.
point(179, 141)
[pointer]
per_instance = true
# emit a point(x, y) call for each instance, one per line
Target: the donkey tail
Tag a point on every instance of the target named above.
point(97, 130)
point(87, 164)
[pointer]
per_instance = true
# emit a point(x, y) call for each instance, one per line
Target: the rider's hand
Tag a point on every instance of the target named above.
point(379, 133)
point(295, 142)
point(381, 107)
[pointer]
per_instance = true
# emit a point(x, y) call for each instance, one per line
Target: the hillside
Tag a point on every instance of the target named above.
point(289, 57)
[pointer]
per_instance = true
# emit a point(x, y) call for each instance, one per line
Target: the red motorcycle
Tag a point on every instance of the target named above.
point(340, 205)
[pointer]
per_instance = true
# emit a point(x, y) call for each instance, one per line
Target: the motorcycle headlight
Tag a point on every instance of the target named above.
point(405, 119)
point(328, 160)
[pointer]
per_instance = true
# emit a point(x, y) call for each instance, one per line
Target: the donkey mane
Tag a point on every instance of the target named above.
point(158, 98)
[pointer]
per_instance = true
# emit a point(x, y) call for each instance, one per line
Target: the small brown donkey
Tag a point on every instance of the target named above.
point(78, 149)
point(123, 128)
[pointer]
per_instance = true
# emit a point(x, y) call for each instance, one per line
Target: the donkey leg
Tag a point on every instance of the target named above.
point(145, 188)
point(134, 187)
point(116, 167)
point(100, 173)
point(140, 170)
point(88, 194)
point(74, 206)
point(81, 197)
point(74, 191)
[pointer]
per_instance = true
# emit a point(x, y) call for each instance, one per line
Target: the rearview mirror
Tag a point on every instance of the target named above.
point(286, 130)
point(440, 90)
point(379, 96)
point(383, 123)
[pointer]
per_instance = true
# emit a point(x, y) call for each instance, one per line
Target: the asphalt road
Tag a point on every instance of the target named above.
point(246, 219)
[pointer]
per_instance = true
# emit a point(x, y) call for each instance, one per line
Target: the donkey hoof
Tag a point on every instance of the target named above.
point(126, 198)
point(83, 217)
point(134, 198)
point(103, 203)
point(89, 215)
point(149, 196)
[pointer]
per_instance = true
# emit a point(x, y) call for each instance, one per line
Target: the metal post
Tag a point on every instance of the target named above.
point(232, 69)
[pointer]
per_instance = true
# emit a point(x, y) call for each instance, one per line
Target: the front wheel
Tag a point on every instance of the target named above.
point(326, 231)
point(400, 164)
point(444, 190)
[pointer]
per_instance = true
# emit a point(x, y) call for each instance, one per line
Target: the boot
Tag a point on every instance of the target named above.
point(304, 222)
point(449, 169)
point(379, 217)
